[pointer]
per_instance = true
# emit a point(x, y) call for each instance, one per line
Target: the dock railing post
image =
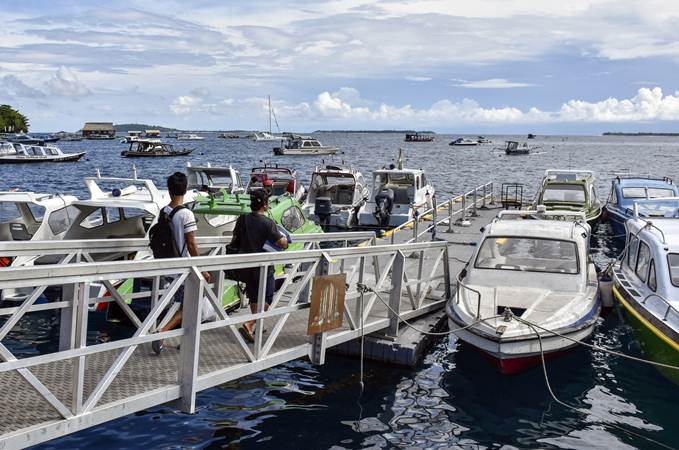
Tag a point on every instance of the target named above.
point(81, 306)
point(464, 206)
point(450, 215)
point(69, 292)
point(474, 214)
point(397, 272)
point(189, 349)
point(319, 340)
point(434, 216)
point(446, 273)
point(416, 226)
point(483, 205)
point(492, 196)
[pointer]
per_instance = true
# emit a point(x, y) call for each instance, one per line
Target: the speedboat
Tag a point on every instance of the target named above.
point(483, 140)
point(398, 195)
point(531, 267)
point(571, 190)
point(462, 142)
point(14, 152)
point(419, 137)
point(190, 137)
point(131, 137)
point(210, 178)
point(646, 280)
point(277, 181)
point(23, 138)
point(152, 147)
point(336, 194)
point(304, 145)
point(628, 188)
point(516, 148)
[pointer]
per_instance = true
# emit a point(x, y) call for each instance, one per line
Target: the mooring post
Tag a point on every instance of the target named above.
point(189, 349)
point(397, 272)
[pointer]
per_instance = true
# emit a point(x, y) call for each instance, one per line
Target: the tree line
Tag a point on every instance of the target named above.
point(12, 120)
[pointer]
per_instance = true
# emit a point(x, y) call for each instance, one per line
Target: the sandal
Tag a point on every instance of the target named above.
point(247, 335)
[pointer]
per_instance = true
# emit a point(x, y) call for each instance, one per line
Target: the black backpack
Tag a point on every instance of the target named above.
point(161, 239)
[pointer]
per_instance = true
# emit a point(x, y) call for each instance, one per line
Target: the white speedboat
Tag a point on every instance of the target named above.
point(530, 267)
point(398, 195)
point(209, 178)
point(189, 137)
point(131, 137)
point(646, 280)
point(464, 142)
point(16, 153)
point(336, 195)
point(304, 145)
point(146, 148)
point(483, 140)
point(277, 181)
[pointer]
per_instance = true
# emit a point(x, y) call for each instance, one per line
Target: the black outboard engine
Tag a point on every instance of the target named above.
point(384, 202)
point(323, 209)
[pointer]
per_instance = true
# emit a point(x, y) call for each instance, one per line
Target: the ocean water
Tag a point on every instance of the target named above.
point(454, 398)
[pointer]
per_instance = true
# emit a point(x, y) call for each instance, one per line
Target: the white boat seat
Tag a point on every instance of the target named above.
point(401, 196)
point(19, 232)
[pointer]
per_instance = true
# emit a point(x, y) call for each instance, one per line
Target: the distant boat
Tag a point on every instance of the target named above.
point(24, 138)
point(15, 152)
point(417, 137)
point(483, 140)
point(189, 137)
point(228, 136)
point(258, 136)
point(516, 148)
point(151, 148)
point(304, 145)
point(531, 136)
point(464, 142)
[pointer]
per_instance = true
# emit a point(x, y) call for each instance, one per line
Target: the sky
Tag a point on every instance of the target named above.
point(479, 66)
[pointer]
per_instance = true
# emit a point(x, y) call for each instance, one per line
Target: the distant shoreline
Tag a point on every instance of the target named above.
point(640, 133)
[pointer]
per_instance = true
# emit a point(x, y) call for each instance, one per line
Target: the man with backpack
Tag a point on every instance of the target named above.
point(172, 237)
point(254, 233)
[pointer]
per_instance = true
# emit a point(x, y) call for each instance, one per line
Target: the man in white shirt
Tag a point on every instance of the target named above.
point(183, 226)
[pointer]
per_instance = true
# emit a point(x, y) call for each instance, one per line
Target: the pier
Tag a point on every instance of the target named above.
point(413, 268)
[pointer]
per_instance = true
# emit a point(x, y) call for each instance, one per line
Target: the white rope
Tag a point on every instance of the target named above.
point(582, 411)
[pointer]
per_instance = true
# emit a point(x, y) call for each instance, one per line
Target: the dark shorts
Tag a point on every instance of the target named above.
point(252, 288)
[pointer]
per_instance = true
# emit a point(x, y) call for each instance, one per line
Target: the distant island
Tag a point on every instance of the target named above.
point(125, 127)
point(374, 131)
point(640, 133)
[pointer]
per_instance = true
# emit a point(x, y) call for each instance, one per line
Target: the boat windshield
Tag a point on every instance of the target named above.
point(659, 208)
point(673, 263)
point(573, 193)
point(640, 192)
point(528, 254)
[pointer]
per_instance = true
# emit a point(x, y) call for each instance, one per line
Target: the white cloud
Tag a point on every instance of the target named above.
point(414, 78)
point(65, 83)
point(13, 87)
point(647, 105)
point(185, 104)
point(493, 83)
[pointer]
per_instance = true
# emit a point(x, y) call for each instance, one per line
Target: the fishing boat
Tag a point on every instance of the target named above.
point(399, 194)
point(571, 190)
point(530, 267)
point(304, 145)
point(16, 153)
point(276, 180)
point(189, 137)
point(418, 137)
point(464, 142)
point(336, 195)
point(626, 188)
point(149, 148)
point(516, 148)
point(646, 280)
point(209, 178)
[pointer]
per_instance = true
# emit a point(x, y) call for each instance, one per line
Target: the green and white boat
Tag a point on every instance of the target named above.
point(646, 280)
point(570, 190)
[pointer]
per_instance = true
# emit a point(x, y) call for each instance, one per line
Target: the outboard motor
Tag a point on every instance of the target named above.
point(384, 202)
point(323, 210)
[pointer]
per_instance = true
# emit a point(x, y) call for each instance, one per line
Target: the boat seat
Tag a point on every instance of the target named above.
point(19, 232)
point(401, 196)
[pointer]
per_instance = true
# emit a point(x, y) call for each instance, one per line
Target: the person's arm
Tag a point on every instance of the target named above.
point(192, 248)
point(276, 236)
point(236, 238)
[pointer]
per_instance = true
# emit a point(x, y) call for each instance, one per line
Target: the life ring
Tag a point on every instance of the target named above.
point(5, 261)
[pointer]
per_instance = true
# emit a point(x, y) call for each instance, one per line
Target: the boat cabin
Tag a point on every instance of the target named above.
point(212, 179)
point(276, 180)
point(569, 189)
point(342, 185)
point(26, 216)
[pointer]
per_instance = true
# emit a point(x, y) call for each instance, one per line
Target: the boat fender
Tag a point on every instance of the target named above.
point(606, 290)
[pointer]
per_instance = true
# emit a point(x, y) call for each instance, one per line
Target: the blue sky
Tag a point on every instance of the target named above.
point(491, 66)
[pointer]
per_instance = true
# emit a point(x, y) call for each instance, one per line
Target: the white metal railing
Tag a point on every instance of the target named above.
point(384, 268)
point(475, 198)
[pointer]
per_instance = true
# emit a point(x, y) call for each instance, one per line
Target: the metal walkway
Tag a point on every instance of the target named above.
point(83, 385)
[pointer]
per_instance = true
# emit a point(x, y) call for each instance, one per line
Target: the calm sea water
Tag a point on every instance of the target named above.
point(454, 398)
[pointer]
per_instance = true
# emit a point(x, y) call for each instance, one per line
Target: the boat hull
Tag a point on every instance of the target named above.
point(654, 337)
point(153, 154)
point(39, 159)
point(511, 357)
point(617, 222)
point(294, 152)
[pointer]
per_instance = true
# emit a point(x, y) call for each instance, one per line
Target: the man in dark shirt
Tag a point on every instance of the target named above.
point(251, 232)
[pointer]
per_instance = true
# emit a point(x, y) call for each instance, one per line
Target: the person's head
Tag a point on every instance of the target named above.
point(176, 184)
point(259, 200)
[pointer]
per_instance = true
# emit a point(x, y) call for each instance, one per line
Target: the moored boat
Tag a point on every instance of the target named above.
point(304, 145)
point(646, 280)
point(531, 273)
point(626, 189)
point(399, 194)
point(189, 137)
point(150, 148)
point(464, 142)
point(336, 194)
point(516, 148)
point(214, 178)
point(16, 153)
point(419, 137)
point(276, 180)
point(571, 190)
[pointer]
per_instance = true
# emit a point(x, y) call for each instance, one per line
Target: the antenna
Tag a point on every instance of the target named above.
point(134, 172)
point(98, 173)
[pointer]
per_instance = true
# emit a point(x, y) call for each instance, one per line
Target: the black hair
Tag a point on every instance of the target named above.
point(258, 199)
point(177, 183)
